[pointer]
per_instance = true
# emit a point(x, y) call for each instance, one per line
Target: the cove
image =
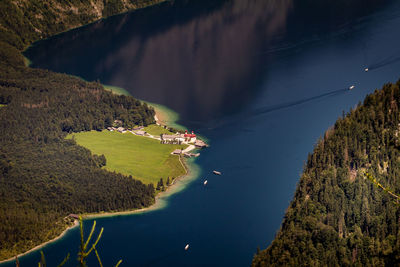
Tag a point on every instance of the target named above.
point(261, 79)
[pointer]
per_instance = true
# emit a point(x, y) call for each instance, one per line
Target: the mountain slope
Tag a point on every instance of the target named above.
point(25, 21)
point(44, 177)
point(337, 216)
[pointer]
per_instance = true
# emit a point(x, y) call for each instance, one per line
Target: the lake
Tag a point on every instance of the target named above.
point(261, 79)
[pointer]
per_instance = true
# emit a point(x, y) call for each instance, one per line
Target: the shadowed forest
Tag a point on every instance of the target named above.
point(44, 177)
point(338, 217)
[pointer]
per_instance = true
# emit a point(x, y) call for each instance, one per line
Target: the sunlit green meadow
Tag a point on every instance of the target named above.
point(156, 130)
point(143, 158)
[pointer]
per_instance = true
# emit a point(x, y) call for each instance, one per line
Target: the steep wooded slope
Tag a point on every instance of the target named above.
point(337, 216)
point(44, 177)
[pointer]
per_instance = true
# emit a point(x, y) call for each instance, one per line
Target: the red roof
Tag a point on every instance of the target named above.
point(189, 135)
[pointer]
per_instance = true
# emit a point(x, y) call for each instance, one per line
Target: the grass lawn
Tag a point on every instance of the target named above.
point(156, 130)
point(143, 158)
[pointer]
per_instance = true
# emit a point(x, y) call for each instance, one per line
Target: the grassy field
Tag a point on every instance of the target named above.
point(143, 158)
point(156, 130)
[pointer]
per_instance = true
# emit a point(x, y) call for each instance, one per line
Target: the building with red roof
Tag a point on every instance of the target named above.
point(190, 137)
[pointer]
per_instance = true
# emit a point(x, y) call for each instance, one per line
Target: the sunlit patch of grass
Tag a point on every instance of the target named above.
point(143, 158)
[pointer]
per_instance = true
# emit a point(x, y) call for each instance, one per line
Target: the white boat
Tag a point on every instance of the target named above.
point(351, 87)
point(366, 69)
point(217, 172)
point(205, 182)
point(187, 247)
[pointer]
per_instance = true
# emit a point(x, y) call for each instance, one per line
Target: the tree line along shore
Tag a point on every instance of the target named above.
point(338, 217)
point(44, 176)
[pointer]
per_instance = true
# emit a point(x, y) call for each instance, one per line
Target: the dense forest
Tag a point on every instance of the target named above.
point(23, 22)
point(337, 216)
point(43, 176)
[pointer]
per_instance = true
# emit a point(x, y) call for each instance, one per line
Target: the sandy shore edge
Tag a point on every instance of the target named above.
point(162, 118)
point(76, 223)
point(158, 203)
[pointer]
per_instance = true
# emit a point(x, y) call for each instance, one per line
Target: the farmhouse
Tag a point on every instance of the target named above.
point(140, 132)
point(190, 138)
point(172, 139)
point(177, 152)
point(121, 130)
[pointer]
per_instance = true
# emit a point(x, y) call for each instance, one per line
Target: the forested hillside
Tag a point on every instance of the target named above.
point(22, 22)
point(44, 177)
point(337, 216)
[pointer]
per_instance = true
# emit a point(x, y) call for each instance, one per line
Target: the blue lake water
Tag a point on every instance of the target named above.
point(261, 79)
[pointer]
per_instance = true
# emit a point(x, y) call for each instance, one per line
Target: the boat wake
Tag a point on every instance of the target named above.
point(383, 63)
point(267, 109)
point(232, 120)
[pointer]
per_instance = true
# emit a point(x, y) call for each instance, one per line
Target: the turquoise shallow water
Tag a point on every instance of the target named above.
point(261, 79)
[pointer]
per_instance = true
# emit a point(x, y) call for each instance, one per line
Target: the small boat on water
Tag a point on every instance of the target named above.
point(351, 87)
point(205, 182)
point(217, 172)
point(366, 69)
point(187, 247)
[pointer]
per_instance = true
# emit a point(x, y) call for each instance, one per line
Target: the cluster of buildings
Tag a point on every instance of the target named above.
point(175, 139)
point(137, 131)
point(186, 138)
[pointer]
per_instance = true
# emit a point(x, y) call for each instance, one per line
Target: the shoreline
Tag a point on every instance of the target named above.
point(167, 117)
point(26, 47)
point(76, 223)
point(159, 198)
point(164, 116)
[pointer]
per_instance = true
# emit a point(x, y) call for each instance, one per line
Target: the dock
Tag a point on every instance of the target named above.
point(200, 143)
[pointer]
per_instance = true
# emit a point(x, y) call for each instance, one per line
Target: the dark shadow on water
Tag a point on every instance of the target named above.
point(230, 121)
